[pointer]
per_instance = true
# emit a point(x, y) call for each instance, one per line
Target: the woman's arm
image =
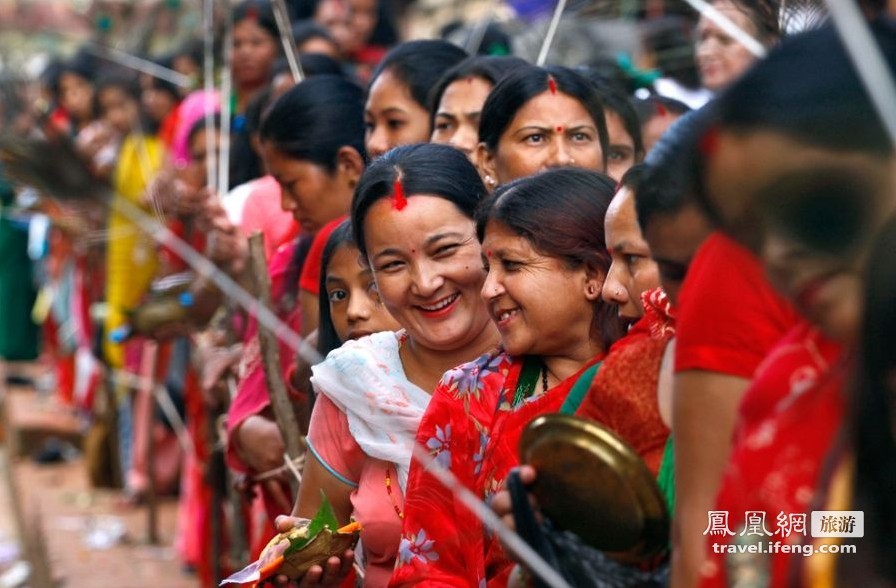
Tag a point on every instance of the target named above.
point(704, 406)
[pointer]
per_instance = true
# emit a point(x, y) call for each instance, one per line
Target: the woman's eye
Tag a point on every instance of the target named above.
point(446, 250)
point(581, 137)
point(395, 124)
point(390, 266)
point(616, 155)
point(536, 138)
point(510, 265)
point(338, 295)
point(443, 126)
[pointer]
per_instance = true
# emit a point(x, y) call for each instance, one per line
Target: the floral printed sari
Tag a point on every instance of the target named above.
point(472, 426)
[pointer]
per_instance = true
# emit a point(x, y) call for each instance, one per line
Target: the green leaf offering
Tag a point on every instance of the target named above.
point(325, 518)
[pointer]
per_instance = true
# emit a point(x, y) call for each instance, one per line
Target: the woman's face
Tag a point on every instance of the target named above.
point(721, 59)
point(428, 269)
point(363, 16)
point(335, 16)
point(622, 146)
point(826, 289)
point(119, 109)
point(392, 116)
point(310, 192)
point(551, 130)
point(355, 306)
point(457, 115)
point(76, 96)
point(540, 306)
point(254, 52)
point(157, 103)
point(632, 271)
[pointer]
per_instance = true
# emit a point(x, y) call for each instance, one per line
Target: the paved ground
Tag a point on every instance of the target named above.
point(75, 520)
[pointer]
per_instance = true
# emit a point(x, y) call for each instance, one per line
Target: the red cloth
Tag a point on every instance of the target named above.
point(728, 314)
point(623, 395)
point(471, 428)
point(310, 279)
point(788, 421)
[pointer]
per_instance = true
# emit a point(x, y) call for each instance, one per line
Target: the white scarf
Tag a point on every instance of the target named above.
point(366, 381)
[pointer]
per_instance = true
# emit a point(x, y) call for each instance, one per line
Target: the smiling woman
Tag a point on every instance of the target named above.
point(543, 291)
point(412, 216)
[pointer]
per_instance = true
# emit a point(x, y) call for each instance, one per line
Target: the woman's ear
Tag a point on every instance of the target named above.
point(485, 163)
point(349, 165)
point(594, 283)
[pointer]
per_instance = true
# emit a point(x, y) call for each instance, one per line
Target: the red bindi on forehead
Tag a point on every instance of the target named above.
point(559, 128)
point(399, 201)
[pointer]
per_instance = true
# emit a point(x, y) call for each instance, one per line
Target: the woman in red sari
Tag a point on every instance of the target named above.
point(541, 283)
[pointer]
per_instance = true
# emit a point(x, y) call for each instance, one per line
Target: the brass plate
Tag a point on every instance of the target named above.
point(592, 483)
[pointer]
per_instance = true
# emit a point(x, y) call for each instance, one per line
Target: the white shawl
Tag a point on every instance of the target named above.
point(365, 380)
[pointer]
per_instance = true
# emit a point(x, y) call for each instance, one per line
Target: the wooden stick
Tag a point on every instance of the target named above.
point(270, 353)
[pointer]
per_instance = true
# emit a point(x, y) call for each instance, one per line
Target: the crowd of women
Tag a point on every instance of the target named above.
point(474, 241)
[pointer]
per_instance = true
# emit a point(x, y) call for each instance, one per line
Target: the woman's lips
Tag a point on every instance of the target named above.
point(807, 296)
point(439, 308)
point(503, 316)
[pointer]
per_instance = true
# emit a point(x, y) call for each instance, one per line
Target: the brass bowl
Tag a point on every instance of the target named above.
point(592, 483)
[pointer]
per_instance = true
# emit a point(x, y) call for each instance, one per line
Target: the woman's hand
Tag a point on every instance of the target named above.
point(330, 574)
point(503, 506)
point(262, 448)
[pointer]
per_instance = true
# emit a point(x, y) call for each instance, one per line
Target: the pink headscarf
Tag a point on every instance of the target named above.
point(192, 109)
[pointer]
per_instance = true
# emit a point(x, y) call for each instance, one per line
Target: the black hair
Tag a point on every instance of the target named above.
point(491, 69)
point(633, 177)
point(828, 108)
point(671, 179)
point(384, 32)
point(614, 99)
point(523, 84)
point(327, 337)
point(316, 118)
point(130, 86)
point(872, 416)
point(261, 12)
point(169, 87)
point(200, 125)
point(561, 213)
point(425, 168)
point(313, 64)
point(655, 104)
point(419, 65)
point(307, 29)
point(126, 83)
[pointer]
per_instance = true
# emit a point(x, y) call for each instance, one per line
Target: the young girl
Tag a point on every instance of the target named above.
point(350, 306)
